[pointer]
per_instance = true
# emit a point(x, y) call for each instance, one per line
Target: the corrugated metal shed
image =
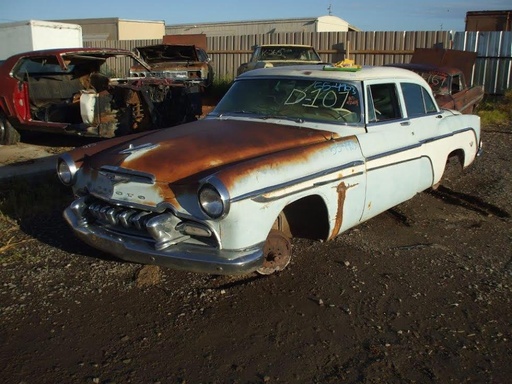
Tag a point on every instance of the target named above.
point(257, 27)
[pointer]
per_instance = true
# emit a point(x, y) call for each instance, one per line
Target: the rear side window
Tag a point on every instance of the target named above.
point(457, 83)
point(202, 55)
point(417, 100)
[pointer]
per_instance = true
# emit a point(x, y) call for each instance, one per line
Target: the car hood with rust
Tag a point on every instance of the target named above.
point(174, 154)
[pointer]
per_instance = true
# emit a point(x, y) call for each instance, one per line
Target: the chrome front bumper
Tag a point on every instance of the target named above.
point(181, 256)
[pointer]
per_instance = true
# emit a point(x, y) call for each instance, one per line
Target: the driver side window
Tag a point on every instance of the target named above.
point(385, 103)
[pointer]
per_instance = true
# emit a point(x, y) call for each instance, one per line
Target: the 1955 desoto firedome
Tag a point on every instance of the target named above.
point(306, 151)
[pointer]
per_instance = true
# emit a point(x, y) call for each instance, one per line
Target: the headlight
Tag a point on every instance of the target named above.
point(66, 169)
point(214, 200)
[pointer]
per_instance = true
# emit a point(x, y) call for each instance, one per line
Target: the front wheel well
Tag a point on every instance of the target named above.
point(308, 218)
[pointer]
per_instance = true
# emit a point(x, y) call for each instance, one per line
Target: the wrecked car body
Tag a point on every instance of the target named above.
point(180, 62)
point(72, 91)
point(448, 73)
point(301, 151)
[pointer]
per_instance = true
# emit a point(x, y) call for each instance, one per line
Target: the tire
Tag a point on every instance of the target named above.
point(8, 135)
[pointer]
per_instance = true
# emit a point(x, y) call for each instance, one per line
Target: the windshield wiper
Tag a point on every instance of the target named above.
point(240, 112)
point(257, 115)
point(294, 119)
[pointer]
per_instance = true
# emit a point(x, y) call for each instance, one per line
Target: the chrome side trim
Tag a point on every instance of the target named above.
point(393, 152)
point(397, 162)
point(419, 144)
point(257, 193)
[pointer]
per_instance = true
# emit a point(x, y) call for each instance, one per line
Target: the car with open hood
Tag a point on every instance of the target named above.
point(278, 55)
point(76, 91)
point(183, 63)
point(300, 151)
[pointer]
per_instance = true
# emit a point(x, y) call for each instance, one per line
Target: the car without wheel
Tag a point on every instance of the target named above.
point(301, 151)
point(180, 62)
point(73, 91)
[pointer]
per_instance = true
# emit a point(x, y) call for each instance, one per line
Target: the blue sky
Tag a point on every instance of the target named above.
point(368, 15)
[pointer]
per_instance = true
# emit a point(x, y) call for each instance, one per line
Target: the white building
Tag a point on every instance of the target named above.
point(255, 27)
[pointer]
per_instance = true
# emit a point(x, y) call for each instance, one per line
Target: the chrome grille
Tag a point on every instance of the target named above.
point(129, 218)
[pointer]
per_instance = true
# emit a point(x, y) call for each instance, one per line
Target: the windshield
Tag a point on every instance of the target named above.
point(289, 53)
point(296, 99)
point(159, 53)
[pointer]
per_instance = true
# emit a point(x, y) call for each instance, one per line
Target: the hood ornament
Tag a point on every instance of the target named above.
point(132, 149)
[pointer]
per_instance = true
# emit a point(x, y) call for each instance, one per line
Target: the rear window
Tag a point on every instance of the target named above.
point(289, 53)
point(40, 65)
point(438, 81)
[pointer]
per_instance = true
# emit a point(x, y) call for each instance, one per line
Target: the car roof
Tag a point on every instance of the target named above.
point(100, 52)
point(331, 72)
point(60, 51)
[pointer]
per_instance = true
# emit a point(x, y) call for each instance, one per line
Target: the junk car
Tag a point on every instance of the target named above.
point(179, 62)
point(75, 91)
point(277, 55)
point(304, 151)
point(448, 72)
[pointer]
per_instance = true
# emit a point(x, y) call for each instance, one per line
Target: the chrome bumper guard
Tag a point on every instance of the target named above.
point(181, 256)
point(480, 149)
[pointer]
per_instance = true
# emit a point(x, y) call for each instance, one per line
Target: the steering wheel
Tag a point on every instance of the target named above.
point(336, 114)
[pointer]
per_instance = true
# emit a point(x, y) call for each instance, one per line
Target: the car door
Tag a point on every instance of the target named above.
point(396, 168)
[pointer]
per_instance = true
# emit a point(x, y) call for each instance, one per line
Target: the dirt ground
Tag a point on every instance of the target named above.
point(419, 294)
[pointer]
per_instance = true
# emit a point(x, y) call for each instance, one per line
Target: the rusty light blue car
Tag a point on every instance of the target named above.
point(300, 151)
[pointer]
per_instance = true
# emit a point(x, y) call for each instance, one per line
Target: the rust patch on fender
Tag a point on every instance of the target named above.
point(296, 156)
point(342, 192)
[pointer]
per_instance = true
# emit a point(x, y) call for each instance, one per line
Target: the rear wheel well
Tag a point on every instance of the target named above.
point(308, 218)
point(457, 155)
point(454, 167)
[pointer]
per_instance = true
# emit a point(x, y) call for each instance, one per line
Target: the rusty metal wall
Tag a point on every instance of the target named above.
point(493, 67)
